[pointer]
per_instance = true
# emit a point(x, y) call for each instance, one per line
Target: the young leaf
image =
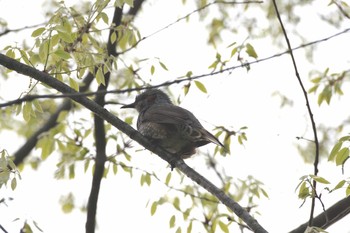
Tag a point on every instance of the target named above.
point(37, 32)
point(154, 208)
point(342, 155)
point(172, 221)
point(100, 78)
point(152, 69)
point(62, 54)
point(200, 86)
point(163, 65)
point(335, 150)
point(223, 227)
point(320, 179)
point(251, 51)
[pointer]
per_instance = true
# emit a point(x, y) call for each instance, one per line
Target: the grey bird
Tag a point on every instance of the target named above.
point(174, 128)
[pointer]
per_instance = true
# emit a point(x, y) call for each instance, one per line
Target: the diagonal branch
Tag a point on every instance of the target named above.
point(334, 214)
point(27, 147)
point(21, 68)
point(308, 109)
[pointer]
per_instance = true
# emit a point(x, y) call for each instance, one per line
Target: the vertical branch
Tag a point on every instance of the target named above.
point(100, 135)
point(308, 109)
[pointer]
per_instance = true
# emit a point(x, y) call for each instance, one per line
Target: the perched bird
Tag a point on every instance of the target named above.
point(174, 128)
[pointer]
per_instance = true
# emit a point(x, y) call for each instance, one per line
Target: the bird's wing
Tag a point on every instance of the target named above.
point(180, 117)
point(170, 114)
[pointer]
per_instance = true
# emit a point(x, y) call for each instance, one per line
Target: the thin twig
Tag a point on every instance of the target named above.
point(308, 109)
point(176, 80)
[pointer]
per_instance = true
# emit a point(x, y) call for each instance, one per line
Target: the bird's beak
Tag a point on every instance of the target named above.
point(129, 106)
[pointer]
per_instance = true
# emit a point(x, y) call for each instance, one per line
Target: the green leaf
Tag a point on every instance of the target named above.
point(303, 191)
point(313, 89)
point(189, 228)
point(13, 183)
point(163, 65)
point(100, 78)
point(347, 191)
point(62, 54)
point(37, 32)
point(113, 37)
point(154, 208)
point(104, 17)
point(86, 164)
point(335, 150)
point(345, 138)
point(342, 155)
point(172, 221)
point(223, 227)
point(189, 74)
point(152, 69)
point(65, 36)
point(339, 185)
point(73, 84)
point(320, 179)
point(251, 51)
point(200, 86)
point(234, 51)
point(168, 177)
point(47, 148)
point(27, 110)
point(37, 106)
point(10, 53)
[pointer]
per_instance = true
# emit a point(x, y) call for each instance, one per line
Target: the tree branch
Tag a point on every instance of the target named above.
point(177, 80)
point(100, 135)
point(27, 147)
point(334, 214)
point(308, 109)
point(21, 68)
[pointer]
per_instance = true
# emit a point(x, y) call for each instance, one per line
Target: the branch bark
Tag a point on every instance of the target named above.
point(135, 135)
point(334, 214)
point(28, 146)
point(100, 135)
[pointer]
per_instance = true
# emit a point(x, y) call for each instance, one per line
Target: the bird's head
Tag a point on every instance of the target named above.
point(147, 99)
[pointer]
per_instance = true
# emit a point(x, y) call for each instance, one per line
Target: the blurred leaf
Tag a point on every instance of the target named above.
point(320, 179)
point(100, 78)
point(163, 66)
point(37, 32)
point(223, 227)
point(13, 183)
point(154, 208)
point(168, 177)
point(62, 54)
point(339, 185)
point(335, 150)
point(73, 84)
point(251, 51)
point(172, 221)
point(342, 155)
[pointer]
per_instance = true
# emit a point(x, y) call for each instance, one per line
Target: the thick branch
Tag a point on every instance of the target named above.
point(135, 135)
point(334, 214)
point(27, 147)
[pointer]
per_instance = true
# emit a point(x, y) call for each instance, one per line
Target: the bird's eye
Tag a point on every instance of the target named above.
point(151, 98)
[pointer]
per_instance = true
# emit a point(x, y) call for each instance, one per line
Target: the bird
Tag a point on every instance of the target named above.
point(172, 127)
